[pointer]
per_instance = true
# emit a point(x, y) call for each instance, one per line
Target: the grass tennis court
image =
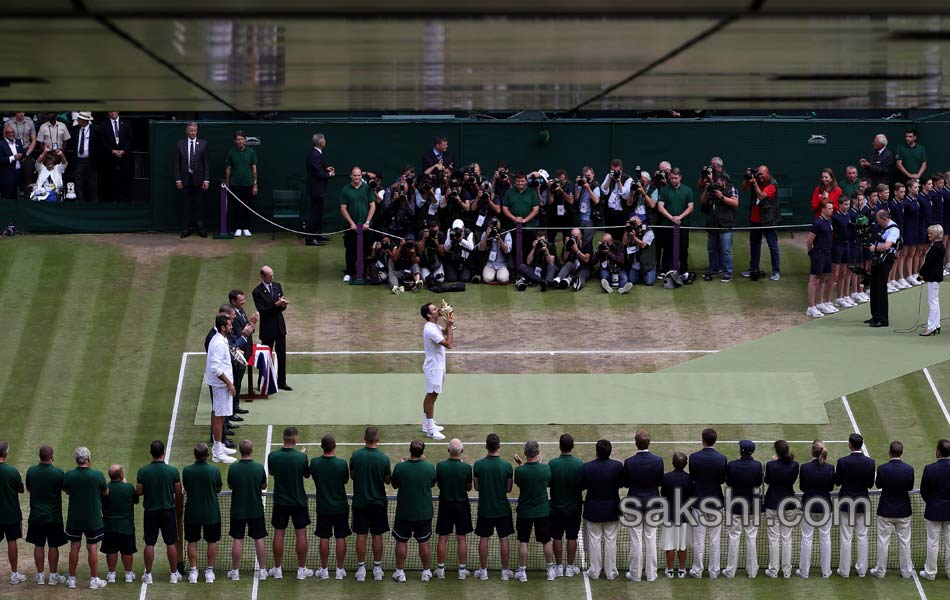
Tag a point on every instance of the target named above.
point(97, 327)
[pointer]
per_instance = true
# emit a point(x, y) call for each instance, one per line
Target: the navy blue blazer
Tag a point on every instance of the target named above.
point(895, 478)
point(602, 479)
point(935, 490)
point(708, 470)
point(8, 167)
point(676, 480)
point(855, 474)
point(816, 481)
point(643, 475)
point(744, 476)
point(317, 174)
point(781, 477)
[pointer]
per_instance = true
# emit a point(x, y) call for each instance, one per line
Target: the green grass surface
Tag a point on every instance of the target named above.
point(95, 333)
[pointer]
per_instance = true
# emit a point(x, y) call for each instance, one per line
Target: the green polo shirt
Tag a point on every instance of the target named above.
point(158, 481)
point(492, 473)
point(413, 481)
point(45, 484)
point(10, 483)
point(565, 489)
point(849, 188)
point(288, 467)
point(202, 482)
point(84, 486)
point(246, 479)
point(330, 475)
point(911, 158)
point(357, 201)
point(453, 477)
point(118, 508)
point(520, 203)
point(240, 163)
point(676, 201)
point(532, 479)
point(369, 468)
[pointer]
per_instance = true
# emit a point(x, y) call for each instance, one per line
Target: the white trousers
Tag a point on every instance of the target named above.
point(934, 530)
point(736, 530)
point(602, 535)
point(859, 531)
point(490, 274)
point(699, 546)
point(933, 301)
point(885, 526)
point(642, 537)
point(780, 543)
point(824, 546)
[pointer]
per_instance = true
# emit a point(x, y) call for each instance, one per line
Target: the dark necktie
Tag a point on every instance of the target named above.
point(82, 137)
point(273, 292)
point(115, 128)
point(191, 158)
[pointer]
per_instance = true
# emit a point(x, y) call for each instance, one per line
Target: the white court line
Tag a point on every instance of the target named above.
point(920, 588)
point(679, 443)
point(508, 352)
point(933, 387)
point(270, 437)
point(171, 425)
point(580, 550)
point(854, 424)
point(143, 591)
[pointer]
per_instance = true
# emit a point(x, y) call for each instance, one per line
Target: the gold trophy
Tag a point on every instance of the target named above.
point(446, 310)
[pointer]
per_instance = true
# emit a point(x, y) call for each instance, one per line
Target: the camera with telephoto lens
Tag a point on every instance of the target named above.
point(492, 232)
point(431, 239)
point(707, 171)
point(410, 180)
point(535, 181)
point(385, 245)
point(503, 174)
point(634, 228)
point(714, 187)
point(570, 244)
point(616, 174)
point(659, 178)
point(749, 174)
point(454, 182)
point(603, 247)
point(456, 234)
point(554, 185)
point(373, 183)
point(425, 186)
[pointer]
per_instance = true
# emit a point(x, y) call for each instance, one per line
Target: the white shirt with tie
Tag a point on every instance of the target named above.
point(13, 151)
point(82, 146)
point(115, 130)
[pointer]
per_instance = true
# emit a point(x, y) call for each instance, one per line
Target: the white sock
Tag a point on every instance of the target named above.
point(430, 423)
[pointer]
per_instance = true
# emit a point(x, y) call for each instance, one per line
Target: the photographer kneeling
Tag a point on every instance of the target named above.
point(403, 267)
point(539, 267)
point(459, 257)
point(575, 258)
point(431, 250)
point(640, 253)
point(494, 250)
point(610, 258)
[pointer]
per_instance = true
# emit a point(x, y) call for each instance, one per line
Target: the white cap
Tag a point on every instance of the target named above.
point(458, 224)
point(543, 173)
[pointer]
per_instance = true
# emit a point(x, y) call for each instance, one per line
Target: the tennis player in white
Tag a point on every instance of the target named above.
point(434, 340)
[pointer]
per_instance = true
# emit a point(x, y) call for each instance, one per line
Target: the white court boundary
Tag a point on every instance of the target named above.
point(576, 443)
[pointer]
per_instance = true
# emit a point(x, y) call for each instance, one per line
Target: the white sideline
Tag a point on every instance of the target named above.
point(624, 443)
point(933, 388)
point(854, 424)
point(515, 352)
point(580, 550)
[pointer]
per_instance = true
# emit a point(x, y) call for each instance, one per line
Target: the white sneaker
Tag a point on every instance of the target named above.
point(130, 576)
point(55, 579)
point(397, 289)
point(521, 575)
point(626, 288)
point(552, 573)
point(346, 279)
point(864, 298)
point(440, 572)
point(18, 578)
point(892, 287)
point(814, 312)
point(237, 233)
point(96, 584)
point(559, 569)
point(926, 576)
point(435, 435)
point(378, 573)
point(827, 308)
point(276, 572)
point(147, 578)
point(425, 576)
point(71, 583)
point(40, 578)
point(262, 574)
point(606, 285)
point(775, 276)
point(234, 575)
point(303, 573)
point(209, 576)
point(591, 575)
point(481, 574)
point(507, 574)
point(904, 284)
point(856, 297)
point(223, 458)
point(193, 576)
point(771, 574)
point(630, 576)
point(175, 577)
point(340, 573)
point(247, 233)
point(228, 451)
point(915, 280)
point(463, 574)
point(435, 426)
point(400, 576)
point(322, 573)
point(571, 570)
point(879, 574)
point(361, 573)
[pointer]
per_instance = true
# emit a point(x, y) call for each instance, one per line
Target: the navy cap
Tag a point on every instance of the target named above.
point(747, 446)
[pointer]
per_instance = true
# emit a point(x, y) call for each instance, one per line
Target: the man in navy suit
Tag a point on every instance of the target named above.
point(707, 467)
point(895, 478)
point(643, 475)
point(115, 174)
point(318, 174)
point(935, 490)
point(854, 473)
point(11, 153)
point(602, 478)
point(744, 478)
point(271, 304)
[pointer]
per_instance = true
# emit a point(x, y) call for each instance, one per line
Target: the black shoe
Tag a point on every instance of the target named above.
point(235, 419)
point(241, 411)
point(323, 238)
point(231, 426)
point(285, 387)
point(314, 242)
point(869, 321)
point(228, 432)
point(879, 324)
point(185, 233)
point(229, 444)
point(544, 285)
point(203, 233)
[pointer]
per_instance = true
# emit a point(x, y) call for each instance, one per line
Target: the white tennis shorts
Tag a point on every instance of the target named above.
point(675, 537)
point(221, 401)
point(434, 379)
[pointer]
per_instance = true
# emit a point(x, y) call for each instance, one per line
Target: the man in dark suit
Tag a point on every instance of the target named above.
point(87, 150)
point(271, 304)
point(602, 478)
point(318, 174)
point(191, 177)
point(245, 326)
point(643, 475)
point(11, 153)
point(935, 491)
point(854, 473)
point(895, 478)
point(115, 173)
point(744, 478)
point(439, 158)
point(880, 163)
point(707, 467)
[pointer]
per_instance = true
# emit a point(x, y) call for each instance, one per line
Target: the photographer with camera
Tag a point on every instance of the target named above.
point(501, 180)
point(639, 252)
point(456, 206)
point(397, 210)
point(819, 252)
point(675, 206)
point(610, 263)
point(431, 250)
point(494, 249)
point(883, 252)
point(459, 253)
point(587, 201)
point(562, 213)
point(376, 269)
point(719, 200)
point(521, 205)
point(403, 267)
point(539, 267)
point(764, 212)
point(430, 201)
point(645, 198)
point(436, 161)
point(575, 261)
point(616, 190)
point(715, 170)
point(482, 208)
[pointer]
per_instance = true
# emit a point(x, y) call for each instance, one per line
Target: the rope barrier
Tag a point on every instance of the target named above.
point(278, 225)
